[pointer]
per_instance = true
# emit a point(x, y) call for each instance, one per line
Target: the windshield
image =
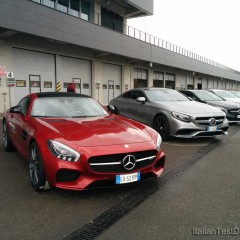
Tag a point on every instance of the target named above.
point(236, 93)
point(225, 94)
point(207, 96)
point(165, 95)
point(67, 107)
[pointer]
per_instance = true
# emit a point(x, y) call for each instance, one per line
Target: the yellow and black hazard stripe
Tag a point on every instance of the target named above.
point(58, 87)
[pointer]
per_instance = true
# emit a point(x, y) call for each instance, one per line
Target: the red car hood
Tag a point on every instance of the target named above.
point(95, 131)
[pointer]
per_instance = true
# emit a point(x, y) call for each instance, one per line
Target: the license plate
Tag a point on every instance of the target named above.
point(127, 178)
point(212, 128)
point(238, 116)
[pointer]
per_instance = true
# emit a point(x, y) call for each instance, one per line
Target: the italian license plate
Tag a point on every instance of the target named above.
point(212, 128)
point(127, 178)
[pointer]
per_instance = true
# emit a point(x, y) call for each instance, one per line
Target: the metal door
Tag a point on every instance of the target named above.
point(110, 90)
point(77, 82)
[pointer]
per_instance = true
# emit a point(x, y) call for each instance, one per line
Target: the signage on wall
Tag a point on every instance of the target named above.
point(3, 71)
point(10, 75)
point(97, 85)
point(11, 82)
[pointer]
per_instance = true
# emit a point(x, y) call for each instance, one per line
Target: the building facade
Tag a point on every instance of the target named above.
point(45, 44)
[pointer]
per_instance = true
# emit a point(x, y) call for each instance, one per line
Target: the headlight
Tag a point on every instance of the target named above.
point(181, 117)
point(224, 110)
point(159, 142)
point(62, 151)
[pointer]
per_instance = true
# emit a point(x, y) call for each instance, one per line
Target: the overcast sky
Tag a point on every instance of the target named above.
point(210, 28)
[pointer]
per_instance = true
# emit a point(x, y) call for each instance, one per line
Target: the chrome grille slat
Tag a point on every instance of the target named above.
point(113, 163)
point(119, 163)
point(102, 164)
point(234, 111)
point(205, 121)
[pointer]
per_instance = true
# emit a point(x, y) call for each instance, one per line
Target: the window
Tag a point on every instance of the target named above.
point(127, 94)
point(74, 7)
point(140, 73)
point(112, 20)
point(63, 5)
point(85, 10)
point(137, 94)
point(24, 103)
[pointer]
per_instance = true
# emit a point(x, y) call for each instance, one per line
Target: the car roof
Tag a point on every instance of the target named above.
point(151, 89)
point(196, 90)
point(217, 90)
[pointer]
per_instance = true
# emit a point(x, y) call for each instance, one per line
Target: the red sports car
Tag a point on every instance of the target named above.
point(72, 142)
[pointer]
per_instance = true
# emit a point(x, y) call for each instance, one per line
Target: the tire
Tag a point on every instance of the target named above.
point(161, 125)
point(7, 144)
point(36, 169)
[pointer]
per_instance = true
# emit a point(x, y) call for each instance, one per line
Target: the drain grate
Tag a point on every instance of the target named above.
point(95, 227)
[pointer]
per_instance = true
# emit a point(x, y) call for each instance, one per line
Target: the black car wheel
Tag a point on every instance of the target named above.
point(7, 144)
point(36, 170)
point(161, 125)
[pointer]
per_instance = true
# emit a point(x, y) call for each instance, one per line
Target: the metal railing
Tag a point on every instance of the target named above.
point(96, 18)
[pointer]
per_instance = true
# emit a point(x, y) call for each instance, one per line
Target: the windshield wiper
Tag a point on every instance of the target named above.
point(43, 116)
point(84, 116)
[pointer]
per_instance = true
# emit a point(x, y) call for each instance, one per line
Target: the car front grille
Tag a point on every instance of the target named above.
point(235, 111)
point(114, 163)
point(206, 121)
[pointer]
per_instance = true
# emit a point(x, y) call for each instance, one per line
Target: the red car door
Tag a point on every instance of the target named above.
point(19, 124)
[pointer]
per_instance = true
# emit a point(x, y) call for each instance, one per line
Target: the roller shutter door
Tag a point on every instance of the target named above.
point(74, 70)
point(140, 77)
point(158, 79)
point(33, 71)
point(112, 82)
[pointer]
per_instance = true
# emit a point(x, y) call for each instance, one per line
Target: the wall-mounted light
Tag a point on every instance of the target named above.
point(150, 64)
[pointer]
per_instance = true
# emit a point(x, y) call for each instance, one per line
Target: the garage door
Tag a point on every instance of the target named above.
point(33, 71)
point(158, 79)
point(112, 82)
point(204, 83)
point(74, 70)
point(140, 77)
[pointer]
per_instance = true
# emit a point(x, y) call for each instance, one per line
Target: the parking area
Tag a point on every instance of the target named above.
point(165, 210)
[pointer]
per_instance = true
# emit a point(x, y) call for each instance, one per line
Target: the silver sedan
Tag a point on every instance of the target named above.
point(170, 113)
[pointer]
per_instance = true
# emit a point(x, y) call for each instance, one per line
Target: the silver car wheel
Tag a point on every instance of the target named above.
point(7, 144)
point(36, 170)
point(5, 136)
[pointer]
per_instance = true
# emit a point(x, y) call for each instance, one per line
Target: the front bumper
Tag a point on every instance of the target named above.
point(233, 118)
point(192, 130)
point(80, 176)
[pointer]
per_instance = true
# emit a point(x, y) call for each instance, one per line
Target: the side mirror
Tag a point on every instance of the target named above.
point(141, 99)
point(195, 99)
point(16, 109)
point(111, 109)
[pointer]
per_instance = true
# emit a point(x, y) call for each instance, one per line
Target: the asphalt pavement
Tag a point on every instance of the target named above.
point(202, 202)
point(197, 197)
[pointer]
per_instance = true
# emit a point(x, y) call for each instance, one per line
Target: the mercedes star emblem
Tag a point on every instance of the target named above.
point(212, 121)
point(129, 162)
